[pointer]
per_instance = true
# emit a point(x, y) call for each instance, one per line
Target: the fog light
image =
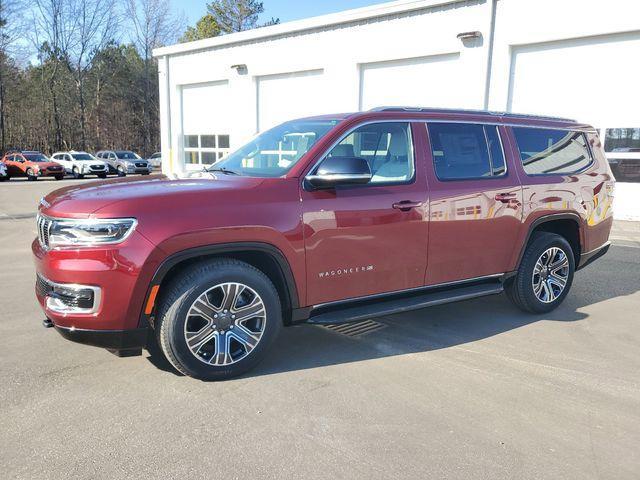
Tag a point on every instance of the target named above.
point(69, 298)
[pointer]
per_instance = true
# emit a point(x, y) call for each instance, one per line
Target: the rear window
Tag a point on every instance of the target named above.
point(552, 152)
point(466, 151)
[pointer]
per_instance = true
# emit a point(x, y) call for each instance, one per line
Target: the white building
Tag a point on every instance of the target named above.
point(575, 58)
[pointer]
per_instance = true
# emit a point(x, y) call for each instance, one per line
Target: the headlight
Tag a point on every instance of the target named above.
point(89, 232)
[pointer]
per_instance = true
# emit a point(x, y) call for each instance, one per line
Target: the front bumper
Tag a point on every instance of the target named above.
point(115, 340)
point(122, 273)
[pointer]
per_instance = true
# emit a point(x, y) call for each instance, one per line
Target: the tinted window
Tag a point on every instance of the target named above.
point(463, 151)
point(546, 151)
point(36, 157)
point(125, 155)
point(82, 156)
point(385, 146)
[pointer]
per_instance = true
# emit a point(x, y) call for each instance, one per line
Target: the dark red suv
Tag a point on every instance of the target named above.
point(325, 220)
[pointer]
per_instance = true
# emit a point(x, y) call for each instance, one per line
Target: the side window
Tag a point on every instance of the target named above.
point(387, 148)
point(466, 151)
point(547, 151)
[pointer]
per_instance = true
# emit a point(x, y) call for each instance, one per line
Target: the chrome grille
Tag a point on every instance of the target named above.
point(42, 286)
point(97, 167)
point(44, 227)
point(141, 165)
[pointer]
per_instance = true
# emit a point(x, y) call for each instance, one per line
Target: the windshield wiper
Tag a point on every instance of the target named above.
point(224, 170)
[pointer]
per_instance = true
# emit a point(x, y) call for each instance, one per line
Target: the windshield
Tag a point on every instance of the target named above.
point(274, 152)
point(35, 157)
point(82, 156)
point(127, 156)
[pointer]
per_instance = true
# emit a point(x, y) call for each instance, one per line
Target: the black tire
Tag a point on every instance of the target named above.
point(30, 176)
point(102, 175)
point(520, 289)
point(121, 172)
point(76, 173)
point(177, 298)
point(59, 177)
point(4, 179)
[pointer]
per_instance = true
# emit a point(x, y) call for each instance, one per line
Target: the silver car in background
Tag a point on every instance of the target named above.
point(125, 162)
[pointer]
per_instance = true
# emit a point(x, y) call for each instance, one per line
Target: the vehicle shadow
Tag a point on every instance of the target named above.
point(308, 346)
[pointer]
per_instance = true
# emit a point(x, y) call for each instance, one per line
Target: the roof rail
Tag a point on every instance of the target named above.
point(468, 110)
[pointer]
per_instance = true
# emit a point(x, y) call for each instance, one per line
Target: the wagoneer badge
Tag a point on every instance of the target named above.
point(345, 271)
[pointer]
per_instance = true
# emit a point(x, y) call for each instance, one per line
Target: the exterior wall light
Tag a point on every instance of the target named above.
point(469, 35)
point(240, 68)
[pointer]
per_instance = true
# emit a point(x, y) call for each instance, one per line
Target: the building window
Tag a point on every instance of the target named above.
point(466, 151)
point(552, 152)
point(205, 149)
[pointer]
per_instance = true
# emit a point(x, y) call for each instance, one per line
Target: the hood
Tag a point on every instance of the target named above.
point(42, 164)
point(131, 193)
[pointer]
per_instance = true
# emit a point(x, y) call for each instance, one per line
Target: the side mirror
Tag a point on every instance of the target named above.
point(336, 171)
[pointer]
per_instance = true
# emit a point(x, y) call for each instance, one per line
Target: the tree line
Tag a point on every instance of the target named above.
point(80, 74)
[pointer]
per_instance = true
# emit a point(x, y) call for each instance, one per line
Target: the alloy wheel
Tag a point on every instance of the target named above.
point(225, 324)
point(550, 274)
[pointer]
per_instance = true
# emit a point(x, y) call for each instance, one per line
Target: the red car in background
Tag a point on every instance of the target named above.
point(31, 165)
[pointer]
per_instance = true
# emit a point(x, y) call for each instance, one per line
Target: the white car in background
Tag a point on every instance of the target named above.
point(80, 164)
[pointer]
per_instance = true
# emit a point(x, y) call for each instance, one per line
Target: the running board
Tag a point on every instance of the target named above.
point(417, 301)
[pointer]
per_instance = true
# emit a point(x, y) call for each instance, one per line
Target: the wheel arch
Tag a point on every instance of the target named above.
point(263, 256)
point(567, 225)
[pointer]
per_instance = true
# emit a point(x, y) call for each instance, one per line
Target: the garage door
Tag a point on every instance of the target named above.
point(593, 79)
point(205, 112)
point(434, 81)
point(287, 96)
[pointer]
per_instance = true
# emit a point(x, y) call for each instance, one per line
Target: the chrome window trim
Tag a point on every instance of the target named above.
point(349, 132)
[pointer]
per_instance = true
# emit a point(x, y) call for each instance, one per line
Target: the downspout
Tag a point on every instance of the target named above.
point(167, 87)
point(492, 31)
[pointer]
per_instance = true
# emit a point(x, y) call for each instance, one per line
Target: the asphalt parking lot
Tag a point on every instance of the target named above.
point(474, 390)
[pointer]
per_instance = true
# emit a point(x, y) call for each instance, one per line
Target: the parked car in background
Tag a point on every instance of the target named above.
point(3, 172)
point(32, 165)
point(155, 160)
point(124, 162)
point(80, 164)
point(374, 213)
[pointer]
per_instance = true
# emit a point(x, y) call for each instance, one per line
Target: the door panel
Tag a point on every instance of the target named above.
point(357, 243)
point(474, 222)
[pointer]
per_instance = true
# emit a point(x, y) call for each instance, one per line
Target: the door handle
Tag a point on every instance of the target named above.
point(505, 197)
point(406, 205)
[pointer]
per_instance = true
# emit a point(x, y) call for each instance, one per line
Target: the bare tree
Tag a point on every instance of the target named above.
point(53, 26)
point(154, 25)
point(11, 20)
point(96, 22)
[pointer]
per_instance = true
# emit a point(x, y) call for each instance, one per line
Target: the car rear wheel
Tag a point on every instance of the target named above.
point(76, 173)
point(31, 176)
point(545, 274)
point(218, 320)
point(121, 172)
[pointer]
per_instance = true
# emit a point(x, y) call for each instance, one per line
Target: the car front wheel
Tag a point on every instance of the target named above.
point(545, 274)
point(31, 176)
point(121, 172)
point(217, 320)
